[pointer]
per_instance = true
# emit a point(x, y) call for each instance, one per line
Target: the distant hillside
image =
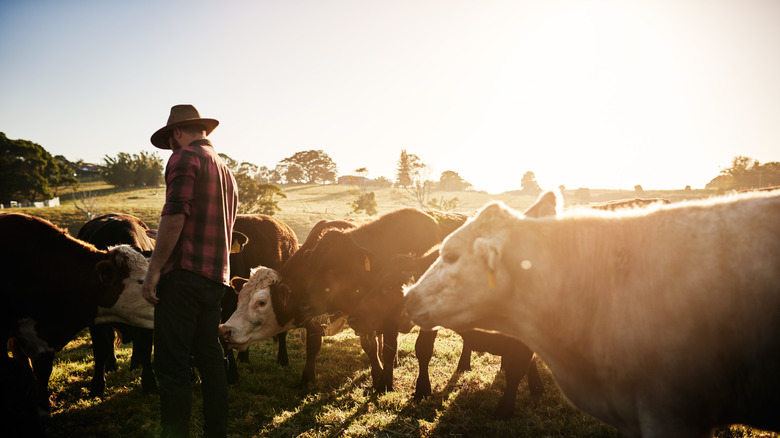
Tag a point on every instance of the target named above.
point(306, 205)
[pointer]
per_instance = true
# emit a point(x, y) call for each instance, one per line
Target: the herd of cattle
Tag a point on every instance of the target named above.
point(659, 319)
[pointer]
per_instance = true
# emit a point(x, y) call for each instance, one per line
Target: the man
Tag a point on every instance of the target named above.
point(189, 272)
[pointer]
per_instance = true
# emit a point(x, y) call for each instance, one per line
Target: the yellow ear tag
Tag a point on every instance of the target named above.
point(368, 264)
point(491, 279)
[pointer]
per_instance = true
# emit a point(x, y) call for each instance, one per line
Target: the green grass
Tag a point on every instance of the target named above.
point(268, 400)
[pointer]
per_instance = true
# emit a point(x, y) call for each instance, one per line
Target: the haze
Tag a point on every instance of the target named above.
point(598, 94)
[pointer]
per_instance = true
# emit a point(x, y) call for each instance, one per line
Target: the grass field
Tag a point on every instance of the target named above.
point(268, 399)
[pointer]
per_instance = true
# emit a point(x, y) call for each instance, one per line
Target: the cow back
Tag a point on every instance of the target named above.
point(115, 229)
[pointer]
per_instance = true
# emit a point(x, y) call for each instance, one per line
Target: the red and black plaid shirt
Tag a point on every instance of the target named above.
point(200, 186)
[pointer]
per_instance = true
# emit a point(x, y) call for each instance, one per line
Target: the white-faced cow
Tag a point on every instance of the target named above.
point(660, 321)
point(53, 285)
point(103, 232)
point(259, 317)
point(270, 243)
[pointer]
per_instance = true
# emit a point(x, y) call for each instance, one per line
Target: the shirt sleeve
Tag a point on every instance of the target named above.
point(180, 173)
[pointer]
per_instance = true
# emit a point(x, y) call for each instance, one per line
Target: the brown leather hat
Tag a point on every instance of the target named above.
point(181, 115)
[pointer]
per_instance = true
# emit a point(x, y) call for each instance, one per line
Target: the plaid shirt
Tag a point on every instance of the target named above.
point(200, 186)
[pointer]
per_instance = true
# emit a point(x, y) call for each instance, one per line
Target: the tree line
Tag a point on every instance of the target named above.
point(29, 173)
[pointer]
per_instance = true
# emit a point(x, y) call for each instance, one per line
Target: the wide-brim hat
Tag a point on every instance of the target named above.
point(181, 115)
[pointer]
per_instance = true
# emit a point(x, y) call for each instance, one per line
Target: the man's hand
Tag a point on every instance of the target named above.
point(150, 286)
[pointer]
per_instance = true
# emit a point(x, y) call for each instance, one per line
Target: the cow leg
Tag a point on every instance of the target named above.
point(42, 366)
point(230, 366)
point(142, 348)
point(281, 356)
point(464, 363)
point(314, 334)
point(423, 349)
point(535, 384)
point(102, 349)
point(515, 366)
point(389, 356)
point(371, 345)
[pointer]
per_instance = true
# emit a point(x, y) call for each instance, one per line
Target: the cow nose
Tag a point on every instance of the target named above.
point(225, 332)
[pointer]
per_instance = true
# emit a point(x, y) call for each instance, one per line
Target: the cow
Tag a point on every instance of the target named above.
point(382, 310)
point(344, 265)
point(53, 286)
point(659, 321)
point(104, 231)
point(252, 323)
point(270, 243)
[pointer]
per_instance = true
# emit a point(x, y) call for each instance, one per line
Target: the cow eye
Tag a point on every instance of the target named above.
point(261, 303)
point(140, 281)
point(449, 257)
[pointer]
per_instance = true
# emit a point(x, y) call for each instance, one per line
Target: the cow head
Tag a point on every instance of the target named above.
point(123, 273)
point(471, 277)
point(254, 318)
point(339, 270)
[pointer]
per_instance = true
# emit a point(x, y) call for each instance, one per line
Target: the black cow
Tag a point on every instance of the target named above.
point(105, 231)
point(54, 286)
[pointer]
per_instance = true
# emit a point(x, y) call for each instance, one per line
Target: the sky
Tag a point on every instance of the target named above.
point(584, 93)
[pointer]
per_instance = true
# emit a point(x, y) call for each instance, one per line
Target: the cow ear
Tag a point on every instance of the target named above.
point(238, 241)
point(488, 250)
point(285, 293)
point(107, 272)
point(238, 283)
point(545, 206)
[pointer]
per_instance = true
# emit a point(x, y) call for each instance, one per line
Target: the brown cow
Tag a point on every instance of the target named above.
point(382, 310)
point(270, 243)
point(345, 265)
point(53, 285)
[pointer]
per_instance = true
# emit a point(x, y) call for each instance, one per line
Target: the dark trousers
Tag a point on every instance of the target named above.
point(186, 324)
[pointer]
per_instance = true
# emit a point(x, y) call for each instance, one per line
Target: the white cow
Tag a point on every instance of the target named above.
point(662, 321)
point(254, 318)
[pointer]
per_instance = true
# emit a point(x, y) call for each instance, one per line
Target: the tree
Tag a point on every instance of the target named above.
point(528, 184)
point(443, 204)
point(583, 195)
point(452, 182)
point(118, 171)
point(268, 176)
point(253, 197)
point(125, 170)
point(406, 165)
point(746, 173)
point(27, 171)
point(366, 201)
point(310, 167)
point(147, 169)
point(267, 194)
